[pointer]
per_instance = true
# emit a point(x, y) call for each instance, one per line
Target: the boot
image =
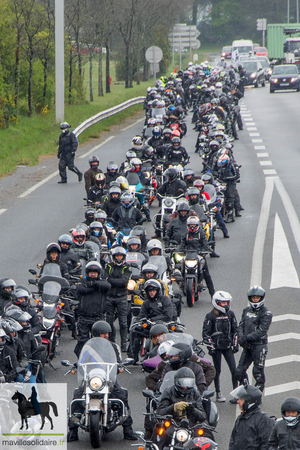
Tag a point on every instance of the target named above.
point(214, 255)
point(129, 434)
point(62, 181)
point(226, 235)
point(72, 434)
point(80, 175)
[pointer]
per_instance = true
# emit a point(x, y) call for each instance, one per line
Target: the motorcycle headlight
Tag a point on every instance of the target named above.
point(96, 383)
point(131, 285)
point(182, 435)
point(168, 202)
point(48, 323)
point(178, 257)
point(191, 263)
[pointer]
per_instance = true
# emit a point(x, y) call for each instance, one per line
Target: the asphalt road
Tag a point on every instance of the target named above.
point(263, 247)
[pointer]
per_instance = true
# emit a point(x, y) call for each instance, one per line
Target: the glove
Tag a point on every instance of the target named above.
point(58, 156)
point(180, 406)
point(190, 409)
point(235, 348)
point(211, 351)
point(242, 340)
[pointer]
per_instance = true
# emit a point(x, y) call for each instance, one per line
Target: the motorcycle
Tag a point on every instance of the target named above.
point(97, 370)
point(161, 220)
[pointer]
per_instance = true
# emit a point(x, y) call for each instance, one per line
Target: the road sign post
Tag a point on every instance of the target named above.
point(261, 25)
point(154, 55)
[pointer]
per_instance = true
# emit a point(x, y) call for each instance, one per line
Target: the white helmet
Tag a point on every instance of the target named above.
point(221, 296)
point(164, 347)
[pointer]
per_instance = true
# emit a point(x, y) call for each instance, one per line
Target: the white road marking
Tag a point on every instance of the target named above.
point(270, 172)
point(245, 115)
point(251, 128)
point(33, 188)
point(282, 360)
point(256, 141)
point(262, 155)
point(250, 124)
point(284, 273)
point(2, 211)
point(286, 387)
point(266, 163)
point(132, 125)
point(282, 317)
point(259, 147)
point(254, 134)
point(284, 337)
point(258, 250)
point(96, 147)
point(246, 119)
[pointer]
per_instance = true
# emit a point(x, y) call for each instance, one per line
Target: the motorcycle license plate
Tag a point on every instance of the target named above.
point(284, 84)
point(131, 257)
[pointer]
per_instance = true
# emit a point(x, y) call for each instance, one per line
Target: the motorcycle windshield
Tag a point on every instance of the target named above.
point(158, 112)
point(49, 311)
point(51, 283)
point(160, 262)
point(97, 353)
point(133, 178)
point(51, 269)
point(211, 192)
point(51, 292)
point(168, 381)
point(96, 250)
point(183, 338)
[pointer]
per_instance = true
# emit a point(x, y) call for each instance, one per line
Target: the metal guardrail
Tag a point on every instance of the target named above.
point(107, 113)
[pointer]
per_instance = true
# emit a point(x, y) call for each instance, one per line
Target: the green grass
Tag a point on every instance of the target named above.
point(24, 143)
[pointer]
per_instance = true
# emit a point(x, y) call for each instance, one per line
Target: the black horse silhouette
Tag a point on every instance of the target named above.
point(26, 409)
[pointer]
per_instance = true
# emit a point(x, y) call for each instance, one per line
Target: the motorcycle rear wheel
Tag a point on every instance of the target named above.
point(190, 292)
point(95, 430)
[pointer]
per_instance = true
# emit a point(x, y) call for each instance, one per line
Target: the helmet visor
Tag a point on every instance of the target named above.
point(185, 383)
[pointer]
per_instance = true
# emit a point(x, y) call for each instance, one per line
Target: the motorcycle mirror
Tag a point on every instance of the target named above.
point(148, 393)
point(128, 361)
point(140, 434)
point(40, 348)
point(31, 281)
point(65, 362)
point(208, 394)
point(32, 271)
point(39, 265)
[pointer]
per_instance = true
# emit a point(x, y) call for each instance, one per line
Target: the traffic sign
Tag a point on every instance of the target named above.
point(154, 54)
point(184, 35)
point(261, 24)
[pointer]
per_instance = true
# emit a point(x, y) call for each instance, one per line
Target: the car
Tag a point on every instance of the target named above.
point(226, 52)
point(261, 51)
point(285, 76)
point(254, 72)
point(265, 65)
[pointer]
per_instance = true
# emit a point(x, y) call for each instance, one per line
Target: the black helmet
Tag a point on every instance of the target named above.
point(208, 177)
point(199, 443)
point(139, 231)
point(179, 354)
point(21, 293)
point(53, 247)
point(17, 314)
point(100, 215)
point(158, 328)
point(151, 285)
point(10, 325)
point(193, 191)
point(251, 394)
point(214, 145)
point(133, 240)
point(184, 380)
point(118, 251)
point(183, 206)
point(114, 190)
point(291, 404)
point(150, 268)
point(188, 173)
point(94, 162)
point(7, 283)
point(89, 215)
point(100, 327)
point(259, 292)
point(112, 166)
point(93, 266)
point(171, 174)
point(176, 141)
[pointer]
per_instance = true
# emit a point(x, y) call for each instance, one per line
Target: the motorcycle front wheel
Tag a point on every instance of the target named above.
point(190, 292)
point(95, 430)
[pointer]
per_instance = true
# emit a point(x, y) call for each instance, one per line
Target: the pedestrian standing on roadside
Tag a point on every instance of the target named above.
point(67, 147)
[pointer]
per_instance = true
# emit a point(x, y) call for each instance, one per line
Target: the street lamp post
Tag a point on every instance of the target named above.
point(59, 62)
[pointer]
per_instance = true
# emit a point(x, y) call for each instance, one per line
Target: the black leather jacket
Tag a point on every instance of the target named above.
point(284, 437)
point(255, 324)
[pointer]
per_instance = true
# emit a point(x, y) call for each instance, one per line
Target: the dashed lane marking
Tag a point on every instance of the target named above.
point(266, 163)
point(254, 134)
point(2, 211)
point(96, 147)
point(282, 317)
point(279, 388)
point(256, 141)
point(262, 155)
point(270, 172)
point(132, 125)
point(259, 147)
point(284, 337)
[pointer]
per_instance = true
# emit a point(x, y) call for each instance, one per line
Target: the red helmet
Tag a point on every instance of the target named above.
point(79, 236)
point(199, 184)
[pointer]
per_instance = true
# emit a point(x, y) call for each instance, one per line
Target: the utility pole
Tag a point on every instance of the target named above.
point(59, 62)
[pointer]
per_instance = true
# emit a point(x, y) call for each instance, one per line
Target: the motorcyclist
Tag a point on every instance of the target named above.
point(92, 293)
point(118, 273)
point(178, 226)
point(127, 215)
point(193, 196)
point(21, 299)
point(221, 319)
point(227, 173)
point(8, 361)
point(96, 191)
point(173, 187)
point(89, 216)
point(156, 307)
point(67, 256)
point(156, 139)
point(89, 175)
point(53, 252)
point(189, 177)
point(252, 331)
point(125, 164)
point(111, 173)
point(97, 234)
point(113, 200)
point(176, 153)
point(252, 428)
point(136, 167)
point(161, 150)
point(7, 287)
point(101, 216)
point(148, 271)
point(80, 247)
point(195, 240)
point(286, 432)
point(67, 147)
point(102, 329)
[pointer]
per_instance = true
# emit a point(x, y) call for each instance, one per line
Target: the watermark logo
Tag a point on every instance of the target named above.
point(33, 416)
